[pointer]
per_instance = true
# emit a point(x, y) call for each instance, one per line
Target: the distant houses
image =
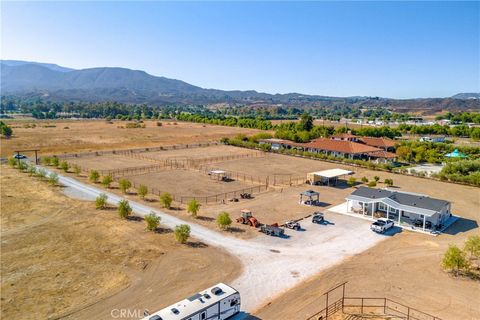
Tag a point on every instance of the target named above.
point(344, 145)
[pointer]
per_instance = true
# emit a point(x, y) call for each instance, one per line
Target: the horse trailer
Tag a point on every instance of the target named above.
point(216, 303)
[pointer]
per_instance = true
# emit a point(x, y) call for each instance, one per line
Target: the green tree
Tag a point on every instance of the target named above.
point(64, 166)
point(389, 182)
point(55, 161)
point(223, 220)
point(142, 191)
point(53, 178)
point(124, 209)
point(472, 246)
point(94, 176)
point(107, 181)
point(182, 233)
point(364, 179)
point(306, 122)
point(193, 207)
point(46, 160)
point(12, 162)
point(101, 201)
point(351, 181)
point(124, 185)
point(166, 200)
point(376, 178)
point(152, 221)
point(5, 130)
point(372, 184)
point(454, 260)
point(77, 169)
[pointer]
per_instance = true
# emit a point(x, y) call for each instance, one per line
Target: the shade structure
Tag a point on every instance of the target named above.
point(456, 154)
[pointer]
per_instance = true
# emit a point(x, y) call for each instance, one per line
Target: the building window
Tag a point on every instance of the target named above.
point(203, 316)
point(381, 206)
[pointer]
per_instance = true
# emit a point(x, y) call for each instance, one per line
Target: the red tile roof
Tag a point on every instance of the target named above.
point(343, 136)
point(378, 142)
point(343, 146)
point(383, 154)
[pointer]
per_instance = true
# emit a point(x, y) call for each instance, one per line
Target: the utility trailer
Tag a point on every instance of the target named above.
point(216, 303)
point(272, 230)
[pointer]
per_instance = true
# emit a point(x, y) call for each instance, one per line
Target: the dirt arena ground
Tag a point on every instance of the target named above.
point(62, 258)
point(68, 136)
point(199, 153)
point(107, 162)
point(186, 183)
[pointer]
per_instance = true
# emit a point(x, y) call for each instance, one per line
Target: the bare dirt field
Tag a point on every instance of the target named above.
point(67, 136)
point(62, 258)
point(107, 162)
point(186, 183)
point(199, 153)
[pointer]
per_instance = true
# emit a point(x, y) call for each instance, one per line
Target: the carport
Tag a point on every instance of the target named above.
point(220, 175)
point(327, 177)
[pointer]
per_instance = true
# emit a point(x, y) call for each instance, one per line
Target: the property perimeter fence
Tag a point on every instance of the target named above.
point(136, 150)
point(360, 306)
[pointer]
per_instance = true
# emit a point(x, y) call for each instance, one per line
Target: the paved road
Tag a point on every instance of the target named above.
point(270, 265)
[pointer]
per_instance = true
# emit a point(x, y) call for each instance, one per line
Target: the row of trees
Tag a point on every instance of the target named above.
point(416, 151)
point(463, 261)
point(455, 131)
point(465, 171)
point(461, 117)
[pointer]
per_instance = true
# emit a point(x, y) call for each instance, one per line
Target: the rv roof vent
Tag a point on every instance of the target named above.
point(217, 291)
point(206, 295)
point(155, 317)
point(175, 311)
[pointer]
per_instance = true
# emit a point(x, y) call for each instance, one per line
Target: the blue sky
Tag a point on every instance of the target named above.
point(389, 49)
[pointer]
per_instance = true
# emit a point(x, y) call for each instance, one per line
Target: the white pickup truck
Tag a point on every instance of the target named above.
point(381, 225)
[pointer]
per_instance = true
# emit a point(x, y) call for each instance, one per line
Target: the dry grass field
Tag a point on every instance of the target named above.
point(62, 258)
point(68, 136)
point(199, 153)
point(108, 162)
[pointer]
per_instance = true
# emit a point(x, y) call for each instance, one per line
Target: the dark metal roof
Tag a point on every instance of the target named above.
point(403, 198)
point(310, 193)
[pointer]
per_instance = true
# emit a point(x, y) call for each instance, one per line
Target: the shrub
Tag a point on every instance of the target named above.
point(376, 178)
point(364, 179)
point(193, 207)
point(182, 233)
point(142, 191)
point(166, 200)
point(223, 220)
point(32, 170)
point(124, 185)
point(107, 181)
point(53, 178)
point(46, 161)
point(64, 166)
point(22, 166)
point(94, 176)
point(472, 246)
point(152, 221)
point(12, 162)
point(101, 201)
point(454, 260)
point(55, 161)
point(351, 181)
point(159, 124)
point(41, 173)
point(389, 182)
point(124, 209)
point(372, 184)
point(77, 169)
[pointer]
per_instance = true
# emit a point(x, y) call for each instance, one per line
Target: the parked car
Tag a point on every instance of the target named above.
point(419, 223)
point(318, 217)
point(381, 225)
point(293, 225)
point(19, 156)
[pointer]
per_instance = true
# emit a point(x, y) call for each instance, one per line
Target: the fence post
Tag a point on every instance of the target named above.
point(362, 307)
point(384, 305)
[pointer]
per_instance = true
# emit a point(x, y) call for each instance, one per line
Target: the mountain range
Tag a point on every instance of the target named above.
point(57, 83)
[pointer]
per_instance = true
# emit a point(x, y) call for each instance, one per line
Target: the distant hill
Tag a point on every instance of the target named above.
point(474, 95)
point(53, 82)
point(50, 66)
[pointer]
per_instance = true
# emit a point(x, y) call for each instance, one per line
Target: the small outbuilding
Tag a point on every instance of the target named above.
point(327, 177)
point(220, 175)
point(310, 197)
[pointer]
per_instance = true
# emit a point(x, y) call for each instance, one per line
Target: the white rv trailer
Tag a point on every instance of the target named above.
point(216, 303)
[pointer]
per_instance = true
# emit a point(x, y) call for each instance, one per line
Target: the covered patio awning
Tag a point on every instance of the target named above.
point(313, 197)
point(327, 175)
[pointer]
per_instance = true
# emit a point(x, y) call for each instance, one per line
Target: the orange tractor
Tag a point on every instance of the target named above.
point(248, 218)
